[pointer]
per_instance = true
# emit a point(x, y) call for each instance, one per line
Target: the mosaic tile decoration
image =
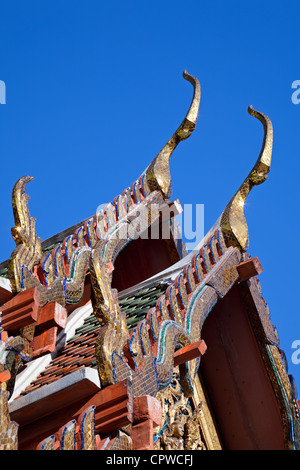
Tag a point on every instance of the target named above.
point(274, 360)
point(176, 407)
point(171, 336)
point(86, 422)
point(59, 273)
point(47, 444)
point(52, 269)
point(255, 302)
point(74, 435)
point(154, 334)
point(193, 297)
point(113, 336)
point(67, 436)
point(28, 249)
point(97, 259)
point(14, 351)
point(233, 221)
point(80, 349)
point(158, 172)
point(8, 428)
point(226, 275)
point(161, 302)
point(121, 442)
point(144, 380)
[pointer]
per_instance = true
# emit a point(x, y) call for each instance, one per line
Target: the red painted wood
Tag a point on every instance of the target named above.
point(189, 352)
point(249, 268)
point(20, 311)
point(237, 381)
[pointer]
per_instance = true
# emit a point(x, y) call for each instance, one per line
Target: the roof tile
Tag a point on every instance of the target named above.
point(79, 350)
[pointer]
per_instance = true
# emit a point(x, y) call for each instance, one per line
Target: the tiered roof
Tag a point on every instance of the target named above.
point(63, 326)
point(79, 350)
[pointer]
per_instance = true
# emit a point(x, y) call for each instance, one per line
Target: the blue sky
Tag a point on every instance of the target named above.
point(95, 89)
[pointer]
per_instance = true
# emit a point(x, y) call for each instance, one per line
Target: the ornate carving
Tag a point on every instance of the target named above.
point(172, 437)
point(28, 250)
point(156, 338)
point(161, 325)
point(174, 322)
point(8, 428)
point(233, 221)
point(194, 439)
point(86, 422)
point(74, 435)
point(13, 352)
point(113, 334)
point(158, 172)
point(59, 275)
point(66, 436)
point(181, 428)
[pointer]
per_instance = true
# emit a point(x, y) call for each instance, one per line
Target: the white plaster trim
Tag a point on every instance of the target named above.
point(76, 319)
point(35, 367)
point(5, 283)
point(86, 373)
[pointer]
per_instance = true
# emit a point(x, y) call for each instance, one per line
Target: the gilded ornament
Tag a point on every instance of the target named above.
point(8, 428)
point(28, 250)
point(158, 172)
point(233, 222)
point(181, 425)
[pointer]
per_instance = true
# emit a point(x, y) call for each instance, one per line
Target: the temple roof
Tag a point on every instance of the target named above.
point(66, 319)
point(79, 351)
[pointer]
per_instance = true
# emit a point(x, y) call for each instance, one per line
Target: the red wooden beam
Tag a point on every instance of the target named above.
point(4, 375)
point(249, 268)
point(147, 414)
point(5, 295)
point(147, 407)
point(20, 311)
point(50, 315)
point(142, 435)
point(3, 336)
point(189, 352)
point(44, 342)
point(113, 408)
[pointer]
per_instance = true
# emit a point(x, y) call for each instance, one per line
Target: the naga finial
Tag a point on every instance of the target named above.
point(28, 250)
point(158, 172)
point(233, 221)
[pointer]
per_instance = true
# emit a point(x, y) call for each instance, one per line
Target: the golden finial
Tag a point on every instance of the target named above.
point(28, 250)
point(158, 172)
point(233, 221)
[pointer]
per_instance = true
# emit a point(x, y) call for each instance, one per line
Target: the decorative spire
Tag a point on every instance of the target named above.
point(233, 221)
point(158, 172)
point(28, 250)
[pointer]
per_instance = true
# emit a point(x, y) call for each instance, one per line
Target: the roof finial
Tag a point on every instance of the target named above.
point(158, 172)
point(28, 250)
point(233, 221)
